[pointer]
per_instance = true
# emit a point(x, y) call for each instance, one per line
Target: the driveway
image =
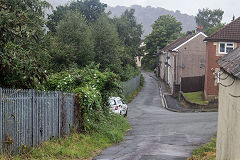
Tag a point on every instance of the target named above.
point(158, 134)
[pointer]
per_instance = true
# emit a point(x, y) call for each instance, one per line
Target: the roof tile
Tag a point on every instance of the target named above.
point(230, 32)
point(231, 62)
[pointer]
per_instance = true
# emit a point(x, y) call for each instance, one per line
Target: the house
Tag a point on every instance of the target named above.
point(218, 45)
point(228, 133)
point(181, 63)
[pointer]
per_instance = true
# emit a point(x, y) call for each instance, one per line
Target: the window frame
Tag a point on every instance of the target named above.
point(225, 47)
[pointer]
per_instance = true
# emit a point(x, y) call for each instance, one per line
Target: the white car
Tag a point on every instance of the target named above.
point(118, 106)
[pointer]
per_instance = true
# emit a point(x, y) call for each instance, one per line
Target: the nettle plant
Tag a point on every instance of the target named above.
point(93, 88)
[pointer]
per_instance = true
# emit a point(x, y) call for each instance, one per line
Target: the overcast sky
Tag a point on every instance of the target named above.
point(230, 7)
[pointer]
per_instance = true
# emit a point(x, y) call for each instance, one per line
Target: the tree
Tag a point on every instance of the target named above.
point(129, 33)
point(107, 45)
point(214, 29)
point(21, 38)
point(89, 9)
point(165, 29)
point(73, 44)
point(56, 17)
point(207, 19)
point(129, 30)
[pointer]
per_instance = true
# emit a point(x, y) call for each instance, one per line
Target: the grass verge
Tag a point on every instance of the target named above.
point(196, 97)
point(205, 152)
point(80, 146)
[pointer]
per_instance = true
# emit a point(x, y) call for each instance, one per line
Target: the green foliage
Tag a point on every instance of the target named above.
point(129, 31)
point(129, 72)
point(93, 88)
point(205, 152)
point(91, 10)
point(80, 146)
point(74, 43)
point(209, 19)
point(214, 29)
point(196, 97)
point(107, 46)
point(17, 69)
point(165, 29)
point(21, 38)
point(80, 33)
point(149, 62)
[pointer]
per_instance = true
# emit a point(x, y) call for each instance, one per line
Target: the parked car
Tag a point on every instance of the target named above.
point(118, 106)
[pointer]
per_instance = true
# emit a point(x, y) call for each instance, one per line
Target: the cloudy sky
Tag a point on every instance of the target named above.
point(230, 7)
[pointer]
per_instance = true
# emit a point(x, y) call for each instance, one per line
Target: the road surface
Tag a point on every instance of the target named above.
point(159, 134)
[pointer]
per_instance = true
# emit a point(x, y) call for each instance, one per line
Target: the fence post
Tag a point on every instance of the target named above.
point(59, 115)
point(33, 101)
point(63, 115)
point(1, 117)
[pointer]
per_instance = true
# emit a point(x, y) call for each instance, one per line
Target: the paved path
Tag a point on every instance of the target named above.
point(158, 134)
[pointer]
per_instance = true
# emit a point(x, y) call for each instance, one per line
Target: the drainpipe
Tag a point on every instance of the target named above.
point(180, 90)
point(180, 83)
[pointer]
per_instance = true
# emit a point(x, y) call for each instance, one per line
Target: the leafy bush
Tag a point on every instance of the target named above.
point(129, 72)
point(93, 89)
point(149, 62)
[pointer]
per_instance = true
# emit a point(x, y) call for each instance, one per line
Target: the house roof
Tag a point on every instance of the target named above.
point(180, 42)
point(229, 33)
point(231, 62)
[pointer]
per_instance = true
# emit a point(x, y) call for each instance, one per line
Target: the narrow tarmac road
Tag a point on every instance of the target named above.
point(158, 134)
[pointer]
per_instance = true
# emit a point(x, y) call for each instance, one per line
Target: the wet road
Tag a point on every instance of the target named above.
point(158, 134)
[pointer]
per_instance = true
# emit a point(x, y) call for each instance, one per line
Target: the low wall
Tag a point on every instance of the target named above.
point(192, 104)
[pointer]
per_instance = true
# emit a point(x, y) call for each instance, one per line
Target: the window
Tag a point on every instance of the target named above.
point(225, 47)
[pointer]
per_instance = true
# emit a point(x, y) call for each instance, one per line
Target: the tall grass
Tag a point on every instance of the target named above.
point(80, 146)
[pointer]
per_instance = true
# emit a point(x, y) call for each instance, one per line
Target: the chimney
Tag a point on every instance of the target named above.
point(189, 33)
point(233, 18)
point(199, 28)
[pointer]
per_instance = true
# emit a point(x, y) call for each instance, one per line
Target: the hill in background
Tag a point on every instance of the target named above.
point(147, 16)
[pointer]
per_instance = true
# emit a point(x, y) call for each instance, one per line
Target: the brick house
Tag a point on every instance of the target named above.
point(181, 63)
point(218, 45)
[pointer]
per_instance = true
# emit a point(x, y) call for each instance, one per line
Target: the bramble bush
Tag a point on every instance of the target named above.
point(93, 89)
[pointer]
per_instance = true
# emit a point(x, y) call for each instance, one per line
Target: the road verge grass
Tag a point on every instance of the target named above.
point(196, 97)
point(80, 146)
point(205, 152)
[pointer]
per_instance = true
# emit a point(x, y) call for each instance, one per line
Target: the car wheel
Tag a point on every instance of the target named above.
point(125, 115)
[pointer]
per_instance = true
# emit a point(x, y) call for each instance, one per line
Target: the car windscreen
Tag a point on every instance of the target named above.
point(112, 102)
point(119, 102)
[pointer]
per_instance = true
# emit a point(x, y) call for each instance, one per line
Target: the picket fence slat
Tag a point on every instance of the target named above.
point(29, 117)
